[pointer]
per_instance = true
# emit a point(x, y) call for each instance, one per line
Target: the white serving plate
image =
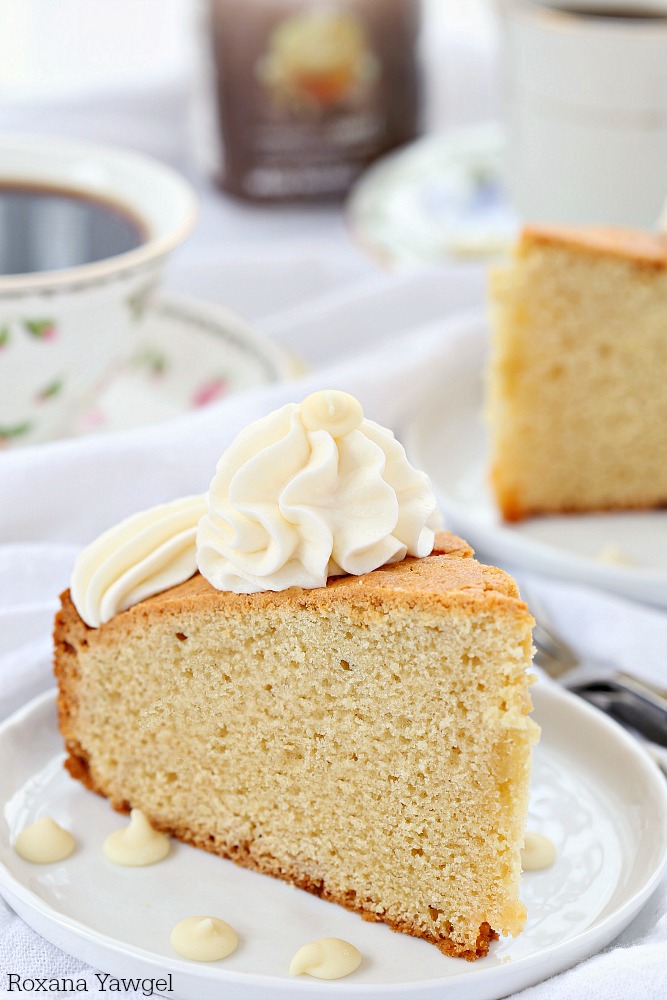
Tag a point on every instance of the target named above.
point(439, 197)
point(594, 793)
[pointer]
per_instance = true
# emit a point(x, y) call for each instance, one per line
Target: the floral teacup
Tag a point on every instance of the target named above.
point(84, 235)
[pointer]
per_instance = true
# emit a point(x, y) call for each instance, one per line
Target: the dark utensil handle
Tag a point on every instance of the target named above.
point(630, 702)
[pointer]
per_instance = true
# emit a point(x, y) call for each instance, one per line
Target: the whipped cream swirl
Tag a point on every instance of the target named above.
point(313, 490)
point(143, 555)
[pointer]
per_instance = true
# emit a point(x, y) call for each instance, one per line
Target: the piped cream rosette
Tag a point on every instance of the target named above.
point(311, 491)
point(143, 555)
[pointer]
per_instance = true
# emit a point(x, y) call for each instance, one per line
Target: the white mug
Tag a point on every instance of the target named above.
point(586, 109)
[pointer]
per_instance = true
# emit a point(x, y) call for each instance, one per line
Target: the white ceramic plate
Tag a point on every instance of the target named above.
point(439, 197)
point(622, 552)
point(191, 353)
point(595, 793)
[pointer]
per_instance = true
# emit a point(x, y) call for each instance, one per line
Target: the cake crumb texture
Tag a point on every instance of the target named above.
point(368, 741)
point(577, 386)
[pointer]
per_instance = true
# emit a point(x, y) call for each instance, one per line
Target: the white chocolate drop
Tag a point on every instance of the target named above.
point(333, 411)
point(136, 844)
point(44, 842)
point(538, 852)
point(204, 939)
point(328, 958)
point(614, 556)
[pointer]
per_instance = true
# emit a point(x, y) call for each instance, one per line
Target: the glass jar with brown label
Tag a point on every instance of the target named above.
point(306, 94)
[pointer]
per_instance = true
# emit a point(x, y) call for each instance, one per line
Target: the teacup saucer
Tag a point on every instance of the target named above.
point(191, 353)
point(437, 198)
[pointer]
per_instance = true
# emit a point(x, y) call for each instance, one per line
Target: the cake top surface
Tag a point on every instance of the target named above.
point(311, 491)
point(449, 577)
point(629, 244)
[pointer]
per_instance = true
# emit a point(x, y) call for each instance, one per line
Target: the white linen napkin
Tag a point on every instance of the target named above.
point(55, 498)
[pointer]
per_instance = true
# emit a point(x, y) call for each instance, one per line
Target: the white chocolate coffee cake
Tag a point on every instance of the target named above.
point(367, 740)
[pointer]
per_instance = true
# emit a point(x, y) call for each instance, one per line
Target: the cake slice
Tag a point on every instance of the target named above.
point(577, 390)
point(367, 740)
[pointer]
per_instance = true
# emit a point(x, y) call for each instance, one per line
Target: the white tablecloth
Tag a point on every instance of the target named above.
point(51, 502)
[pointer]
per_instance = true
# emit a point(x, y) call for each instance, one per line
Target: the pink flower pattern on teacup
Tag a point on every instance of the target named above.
point(141, 299)
point(50, 391)
point(209, 391)
point(9, 434)
point(41, 329)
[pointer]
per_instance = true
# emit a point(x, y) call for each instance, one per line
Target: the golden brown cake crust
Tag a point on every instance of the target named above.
point(449, 578)
point(632, 245)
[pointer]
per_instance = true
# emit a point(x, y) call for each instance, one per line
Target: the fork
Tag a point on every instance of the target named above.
point(632, 702)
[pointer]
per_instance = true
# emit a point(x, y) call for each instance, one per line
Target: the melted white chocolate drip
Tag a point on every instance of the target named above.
point(44, 842)
point(538, 852)
point(204, 939)
point(328, 958)
point(137, 844)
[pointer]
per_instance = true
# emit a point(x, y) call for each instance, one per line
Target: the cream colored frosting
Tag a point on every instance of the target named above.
point(538, 852)
point(136, 844)
point(328, 958)
point(204, 939)
point(44, 842)
point(313, 490)
point(143, 555)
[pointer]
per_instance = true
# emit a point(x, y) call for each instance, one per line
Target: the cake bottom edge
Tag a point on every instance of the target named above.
point(77, 766)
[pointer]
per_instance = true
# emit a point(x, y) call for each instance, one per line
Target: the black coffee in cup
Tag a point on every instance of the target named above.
point(48, 228)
